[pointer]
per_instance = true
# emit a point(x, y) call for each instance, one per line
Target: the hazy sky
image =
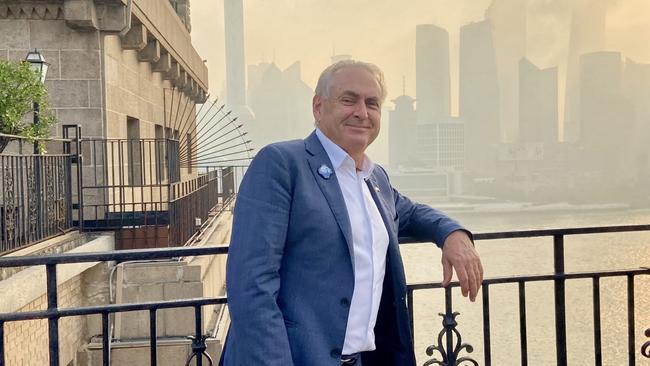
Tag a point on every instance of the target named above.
point(383, 32)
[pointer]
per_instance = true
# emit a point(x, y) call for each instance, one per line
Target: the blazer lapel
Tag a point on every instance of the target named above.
point(382, 206)
point(394, 265)
point(330, 188)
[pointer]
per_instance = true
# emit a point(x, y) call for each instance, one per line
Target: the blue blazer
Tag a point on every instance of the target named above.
point(290, 275)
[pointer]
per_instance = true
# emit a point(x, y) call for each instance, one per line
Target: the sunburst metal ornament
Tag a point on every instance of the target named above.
point(210, 136)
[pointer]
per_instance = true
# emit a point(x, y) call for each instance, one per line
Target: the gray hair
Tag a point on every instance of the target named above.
point(323, 85)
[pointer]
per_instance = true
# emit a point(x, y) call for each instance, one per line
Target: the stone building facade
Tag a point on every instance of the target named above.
point(111, 62)
point(122, 69)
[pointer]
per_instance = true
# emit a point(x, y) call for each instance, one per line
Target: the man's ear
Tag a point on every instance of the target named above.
point(317, 104)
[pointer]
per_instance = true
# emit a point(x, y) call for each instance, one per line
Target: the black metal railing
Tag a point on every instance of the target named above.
point(54, 313)
point(134, 186)
point(36, 192)
point(450, 344)
point(192, 201)
point(449, 341)
point(127, 181)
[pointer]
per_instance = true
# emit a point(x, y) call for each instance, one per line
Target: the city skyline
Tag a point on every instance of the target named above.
point(310, 32)
point(499, 119)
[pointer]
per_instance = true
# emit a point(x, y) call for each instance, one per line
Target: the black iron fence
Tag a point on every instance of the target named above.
point(36, 191)
point(54, 313)
point(134, 186)
point(127, 181)
point(449, 347)
point(130, 185)
point(192, 201)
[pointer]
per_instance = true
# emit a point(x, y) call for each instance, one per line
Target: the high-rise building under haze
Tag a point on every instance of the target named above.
point(441, 145)
point(401, 133)
point(636, 83)
point(432, 73)
point(538, 104)
point(236, 67)
point(606, 116)
point(588, 22)
point(235, 56)
point(508, 21)
point(281, 100)
point(479, 97)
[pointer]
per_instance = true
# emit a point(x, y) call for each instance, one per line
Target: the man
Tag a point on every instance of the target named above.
point(314, 273)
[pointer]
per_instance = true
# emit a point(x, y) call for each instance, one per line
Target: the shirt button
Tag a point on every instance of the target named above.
point(336, 353)
point(345, 302)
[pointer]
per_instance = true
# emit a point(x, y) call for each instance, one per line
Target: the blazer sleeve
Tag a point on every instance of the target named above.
point(422, 221)
point(261, 218)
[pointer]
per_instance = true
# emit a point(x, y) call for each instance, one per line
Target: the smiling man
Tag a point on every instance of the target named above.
point(314, 273)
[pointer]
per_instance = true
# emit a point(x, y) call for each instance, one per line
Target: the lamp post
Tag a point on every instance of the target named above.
point(37, 62)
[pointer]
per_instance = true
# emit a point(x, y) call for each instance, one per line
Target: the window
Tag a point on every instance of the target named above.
point(161, 170)
point(133, 152)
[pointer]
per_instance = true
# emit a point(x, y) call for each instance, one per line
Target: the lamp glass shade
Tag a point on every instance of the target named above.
point(37, 61)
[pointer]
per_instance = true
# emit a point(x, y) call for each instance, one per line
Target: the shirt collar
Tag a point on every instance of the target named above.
point(338, 156)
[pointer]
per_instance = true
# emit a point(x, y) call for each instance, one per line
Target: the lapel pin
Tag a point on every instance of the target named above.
point(376, 189)
point(325, 171)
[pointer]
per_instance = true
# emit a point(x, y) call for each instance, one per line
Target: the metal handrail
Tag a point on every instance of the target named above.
point(451, 348)
point(18, 137)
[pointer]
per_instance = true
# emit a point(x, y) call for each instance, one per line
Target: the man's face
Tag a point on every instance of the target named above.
point(351, 115)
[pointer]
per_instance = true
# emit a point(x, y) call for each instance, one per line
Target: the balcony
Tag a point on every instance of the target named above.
point(450, 346)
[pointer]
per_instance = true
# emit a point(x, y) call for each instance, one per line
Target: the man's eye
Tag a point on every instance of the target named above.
point(373, 105)
point(347, 101)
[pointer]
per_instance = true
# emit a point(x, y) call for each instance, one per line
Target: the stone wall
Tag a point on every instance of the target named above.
point(26, 342)
point(78, 284)
point(213, 268)
point(74, 77)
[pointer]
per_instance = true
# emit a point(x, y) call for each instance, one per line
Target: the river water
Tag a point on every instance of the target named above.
point(535, 256)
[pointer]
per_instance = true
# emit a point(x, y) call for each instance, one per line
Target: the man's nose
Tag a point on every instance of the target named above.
point(361, 110)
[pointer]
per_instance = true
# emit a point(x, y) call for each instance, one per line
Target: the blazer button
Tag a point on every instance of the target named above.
point(336, 353)
point(345, 302)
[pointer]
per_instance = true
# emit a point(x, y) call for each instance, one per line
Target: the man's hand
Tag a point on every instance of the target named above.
point(458, 253)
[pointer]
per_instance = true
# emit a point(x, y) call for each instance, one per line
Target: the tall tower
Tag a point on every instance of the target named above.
point(636, 81)
point(508, 20)
point(479, 97)
point(401, 133)
point(538, 104)
point(235, 58)
point(587, 35)
point(432, 73)
point(606, 117)
point(233, 13)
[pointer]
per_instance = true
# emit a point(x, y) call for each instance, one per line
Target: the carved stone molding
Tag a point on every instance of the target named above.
point(51, 10)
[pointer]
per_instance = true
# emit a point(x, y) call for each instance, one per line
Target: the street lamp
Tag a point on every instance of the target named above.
point(37, 62)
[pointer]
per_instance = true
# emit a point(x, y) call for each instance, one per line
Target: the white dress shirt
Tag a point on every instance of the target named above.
point(369, 242)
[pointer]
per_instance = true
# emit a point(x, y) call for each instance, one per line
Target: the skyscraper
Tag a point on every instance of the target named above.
point(636, 83)
point(432, 73)
point(606, 117)
point(587, 35)
point(479, 96)
point(538, 100)
point(236, 69)
point(508, 20)
point(235, 57)
point(281, 102)
point(401, 133)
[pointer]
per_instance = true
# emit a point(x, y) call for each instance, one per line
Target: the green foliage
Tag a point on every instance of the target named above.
point(20, 88)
